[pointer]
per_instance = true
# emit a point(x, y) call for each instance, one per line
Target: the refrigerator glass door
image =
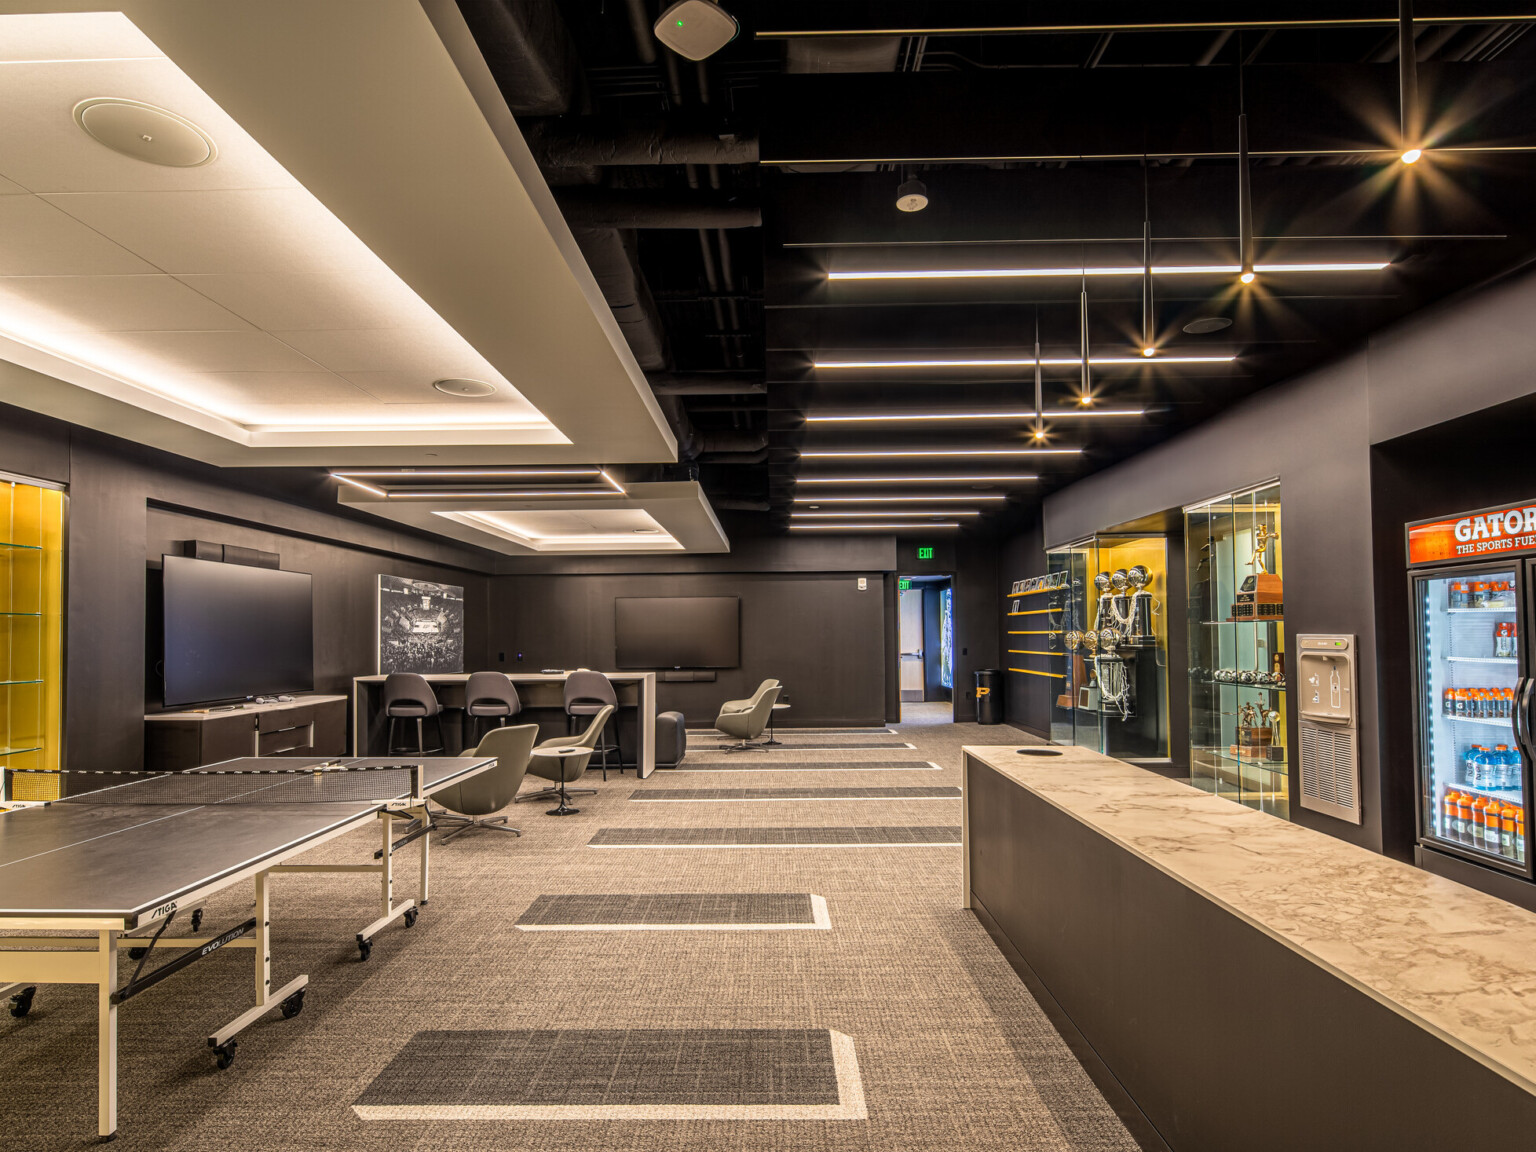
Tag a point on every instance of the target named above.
point(1471, 773)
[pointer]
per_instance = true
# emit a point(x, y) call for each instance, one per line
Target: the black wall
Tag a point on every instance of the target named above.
point(1028, 696)
point(128, 506)
point(1344, 502)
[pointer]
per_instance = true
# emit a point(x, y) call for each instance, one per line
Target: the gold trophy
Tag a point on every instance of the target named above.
point(1091, 642)
point(1072, 639)
point(1261, 538)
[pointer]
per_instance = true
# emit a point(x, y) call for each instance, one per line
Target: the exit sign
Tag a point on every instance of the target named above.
point(925, 553)
point(904, 585)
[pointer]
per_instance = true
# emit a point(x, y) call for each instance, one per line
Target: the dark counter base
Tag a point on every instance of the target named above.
point(1224, 1038)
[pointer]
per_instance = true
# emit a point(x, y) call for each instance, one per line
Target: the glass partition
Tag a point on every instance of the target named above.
point(1113, 636)
point(1238, 692)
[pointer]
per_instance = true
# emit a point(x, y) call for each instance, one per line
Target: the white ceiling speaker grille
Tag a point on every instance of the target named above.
point(465, 387)
point(1330, 771)
point(145, 132)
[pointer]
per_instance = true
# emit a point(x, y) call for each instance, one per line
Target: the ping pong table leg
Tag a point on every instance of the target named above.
point(426, 822)
point(387, 875)
point(263, 943)
point(106, 1036)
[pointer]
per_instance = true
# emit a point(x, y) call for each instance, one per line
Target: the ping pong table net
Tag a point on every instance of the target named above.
point(339, 784)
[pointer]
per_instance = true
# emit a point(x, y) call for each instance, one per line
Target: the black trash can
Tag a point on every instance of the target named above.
point(989, 696)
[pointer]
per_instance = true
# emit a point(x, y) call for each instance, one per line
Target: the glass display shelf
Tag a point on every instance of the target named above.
point(1504, 722)
point(20, 613)
point(1483, 659)
point(1478, 611)
point(1233, 573)
point(4, 683)
point(21, 547)
point(19, 751)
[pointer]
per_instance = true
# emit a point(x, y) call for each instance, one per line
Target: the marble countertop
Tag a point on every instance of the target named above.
point(1459, 963)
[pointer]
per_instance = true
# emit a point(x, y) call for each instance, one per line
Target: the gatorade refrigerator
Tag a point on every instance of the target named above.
point(1471, 578)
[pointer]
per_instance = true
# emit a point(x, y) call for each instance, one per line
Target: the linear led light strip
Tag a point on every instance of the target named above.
point(1050, 414)
point(814, 500)
point(1026, 362)
point(883, 515)
point(915, 479)
point(886, 527)
point(1157, 270)
point(953, 452)
point(352, 478)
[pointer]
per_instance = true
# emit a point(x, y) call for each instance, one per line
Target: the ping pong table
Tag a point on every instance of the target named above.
point(117, 866)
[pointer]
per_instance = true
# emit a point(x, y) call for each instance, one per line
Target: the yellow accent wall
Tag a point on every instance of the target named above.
point(31, 635)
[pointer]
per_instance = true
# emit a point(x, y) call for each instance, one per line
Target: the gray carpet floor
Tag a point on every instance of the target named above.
point(952, 1051)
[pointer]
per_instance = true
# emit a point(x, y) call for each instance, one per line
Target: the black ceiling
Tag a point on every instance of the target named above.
point(713, 200)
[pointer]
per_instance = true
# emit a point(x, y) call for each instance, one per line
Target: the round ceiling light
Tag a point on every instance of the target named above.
point(465, 387)
point(145, 132)
point(1207, 324)
point(912, 196)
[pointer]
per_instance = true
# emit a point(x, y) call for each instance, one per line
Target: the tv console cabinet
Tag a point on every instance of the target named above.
point(303, 726)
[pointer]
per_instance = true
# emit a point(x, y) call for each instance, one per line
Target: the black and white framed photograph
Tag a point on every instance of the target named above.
point(421, 626)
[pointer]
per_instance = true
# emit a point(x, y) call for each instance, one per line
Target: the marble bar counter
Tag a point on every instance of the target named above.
point(1245, 982)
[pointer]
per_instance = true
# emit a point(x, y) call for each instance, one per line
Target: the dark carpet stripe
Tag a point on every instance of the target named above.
point(671, 908)
point(937, 792)
point(768, 837)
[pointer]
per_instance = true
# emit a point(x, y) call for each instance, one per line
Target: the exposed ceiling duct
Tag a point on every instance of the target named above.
point(723, 447)
point(706, 384)
point(530, 51)
point(574, 142)
point(611, 256)
point(863, 54)
point(606, 208)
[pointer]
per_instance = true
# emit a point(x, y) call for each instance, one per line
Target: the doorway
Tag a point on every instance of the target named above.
point(927, 648)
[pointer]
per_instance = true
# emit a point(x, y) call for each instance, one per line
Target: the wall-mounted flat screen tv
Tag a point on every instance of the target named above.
point(677, 631)
point(232, 631)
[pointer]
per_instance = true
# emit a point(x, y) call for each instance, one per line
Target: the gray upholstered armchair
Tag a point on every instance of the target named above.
point(473, 803)
point(564, 770)
point(748, 726)
point(751, 702)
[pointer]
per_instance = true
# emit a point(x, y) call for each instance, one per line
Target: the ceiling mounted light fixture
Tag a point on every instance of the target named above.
point(897, 419)
point(914, 479)
point(820, 500)
point(947, 452)
point(696, 29)
point(887, 527)
point(1156, 270)
point(912, 195)
point(1207, 324)
point(1244, 196)
point(904, 512)
point(459, 387)
point(145, 132)
point(1048, 362)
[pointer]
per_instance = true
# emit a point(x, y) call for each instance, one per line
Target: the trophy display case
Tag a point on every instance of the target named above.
point(1112, 636)
point(1238, 693)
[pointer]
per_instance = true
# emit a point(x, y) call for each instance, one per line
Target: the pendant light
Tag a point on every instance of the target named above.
point(1408, 84)
point(1039, 385)
point(1087, 395)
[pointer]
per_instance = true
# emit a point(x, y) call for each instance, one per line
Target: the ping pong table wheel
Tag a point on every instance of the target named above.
point(410, 917)
point(21, 1003)
point(137, 953)
point(197, 919)
point(364, 949)
point(293, 1005)
point(224, 1054)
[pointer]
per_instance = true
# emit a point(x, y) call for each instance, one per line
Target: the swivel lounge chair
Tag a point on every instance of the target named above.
point(489, 696)
point(587, 694)
point(747, 704)
point(473, 803)
point(564, 770)
point(748, 726)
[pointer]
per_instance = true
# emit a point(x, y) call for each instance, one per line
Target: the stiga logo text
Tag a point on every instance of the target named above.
point(163, 910)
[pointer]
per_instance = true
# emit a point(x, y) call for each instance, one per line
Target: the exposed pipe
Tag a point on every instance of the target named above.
point(530, 52)
point(640, 28)
point(1213, 49)
point(606, 208)
point(575, 142)
point(705, 384)
point(1099, 49)
point(1407, 75)
point(610, 256)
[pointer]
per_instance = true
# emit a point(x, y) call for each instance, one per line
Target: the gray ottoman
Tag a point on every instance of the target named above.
point(671, 740)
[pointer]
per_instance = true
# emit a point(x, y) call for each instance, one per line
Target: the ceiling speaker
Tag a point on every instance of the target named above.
point(145, 132)
point(696, 28)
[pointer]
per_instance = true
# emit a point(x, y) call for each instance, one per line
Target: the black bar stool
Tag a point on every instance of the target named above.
point(587, 694)
point(408, 696)
point(487, 696)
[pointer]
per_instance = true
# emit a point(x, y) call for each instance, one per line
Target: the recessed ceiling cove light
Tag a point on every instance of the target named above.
point(1207, 324)
point(465, 387)
point(145, 132)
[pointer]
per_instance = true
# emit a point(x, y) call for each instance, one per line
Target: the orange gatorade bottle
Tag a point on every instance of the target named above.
point(1464, 818)
point(1480, 824)
point(1448, 815)
point(1507, 813)
point(1520, 834)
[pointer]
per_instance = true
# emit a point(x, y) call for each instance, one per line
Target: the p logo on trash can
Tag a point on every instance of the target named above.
point(980, 692)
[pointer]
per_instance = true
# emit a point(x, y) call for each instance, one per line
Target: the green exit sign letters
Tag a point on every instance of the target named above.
point(925, 553)
point(904, 585)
